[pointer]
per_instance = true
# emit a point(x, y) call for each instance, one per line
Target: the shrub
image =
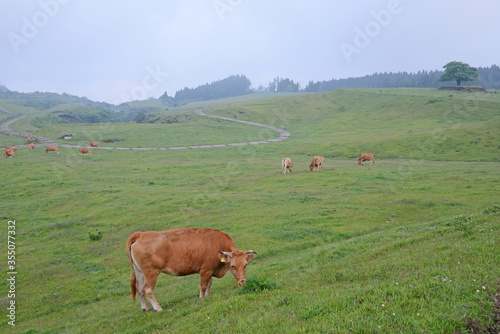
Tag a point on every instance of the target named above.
point(95, 236)
point(492, 210)
point(257, 284)
point(463, 223)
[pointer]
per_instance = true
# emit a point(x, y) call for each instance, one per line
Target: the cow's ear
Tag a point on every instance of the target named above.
point(224, 256)
point(249, 255)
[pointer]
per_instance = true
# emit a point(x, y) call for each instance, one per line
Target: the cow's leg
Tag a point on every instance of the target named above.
point(139, 286)
point(148, 288)
point(205, 284)
point(208, 287)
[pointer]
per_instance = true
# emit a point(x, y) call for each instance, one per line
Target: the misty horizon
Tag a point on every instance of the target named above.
point(110, 51)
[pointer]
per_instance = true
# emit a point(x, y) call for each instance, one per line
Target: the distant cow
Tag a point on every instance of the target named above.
point(317, 162)
point(93, 144)
point(51, 148)
point(10, 151)
point(365, 157)
point(32, 147)
point(286, 163)
point(181, 252)
point(30, 139)
point(85, 150)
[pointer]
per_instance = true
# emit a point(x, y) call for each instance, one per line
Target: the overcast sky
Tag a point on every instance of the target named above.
point(118, 50)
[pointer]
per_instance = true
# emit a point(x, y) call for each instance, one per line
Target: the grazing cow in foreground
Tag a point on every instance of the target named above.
point(10, 151)
point(51, 148)
point(85, 150)
point(365, 157)
point(181, 252)
point(286, 163)
point(93, 144)
point(317, 162)
point(32, 147)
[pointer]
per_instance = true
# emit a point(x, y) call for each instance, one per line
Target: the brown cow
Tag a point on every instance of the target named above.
point(10, 151)
point(365, 157)
point(30, 139)
point(51, 148)
point(317, 162)
point(32, 147)
point(286, 163)
point(181, 252)
point(93, 144)
point(85, 150)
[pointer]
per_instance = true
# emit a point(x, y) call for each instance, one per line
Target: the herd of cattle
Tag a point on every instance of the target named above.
point(317, 162)
point(12, 150)
point(286, 163)
point(181, 252)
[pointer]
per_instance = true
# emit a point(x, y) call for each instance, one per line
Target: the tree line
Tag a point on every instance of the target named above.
point(234, 85)
point(237, 85)
point(488, 77)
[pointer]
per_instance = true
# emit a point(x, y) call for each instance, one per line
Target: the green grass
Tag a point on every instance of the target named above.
point(6, 140)
point(408, 245)
point(191, 131)
point(393, 123)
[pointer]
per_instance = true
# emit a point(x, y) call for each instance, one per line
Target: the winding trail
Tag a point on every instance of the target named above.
point(4, 128)
point(283, 134)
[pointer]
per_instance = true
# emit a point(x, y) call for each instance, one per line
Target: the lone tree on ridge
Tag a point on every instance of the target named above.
point(458, 71)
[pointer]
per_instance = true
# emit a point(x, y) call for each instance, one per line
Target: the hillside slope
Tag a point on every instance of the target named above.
point(394, 123)
point(405, 246)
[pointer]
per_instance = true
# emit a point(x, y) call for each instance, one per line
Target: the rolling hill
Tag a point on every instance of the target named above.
point(407, 245)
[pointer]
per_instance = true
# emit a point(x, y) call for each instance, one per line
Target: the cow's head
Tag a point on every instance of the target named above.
point(311, 166)
point(237, 261)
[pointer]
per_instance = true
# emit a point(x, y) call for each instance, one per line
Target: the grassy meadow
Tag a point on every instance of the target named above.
point(409, 245)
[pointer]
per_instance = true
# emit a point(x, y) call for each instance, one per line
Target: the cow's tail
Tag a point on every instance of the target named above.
point(133, 281)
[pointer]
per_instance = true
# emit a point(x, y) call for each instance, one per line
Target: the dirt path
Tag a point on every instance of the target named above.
point(4, 128)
